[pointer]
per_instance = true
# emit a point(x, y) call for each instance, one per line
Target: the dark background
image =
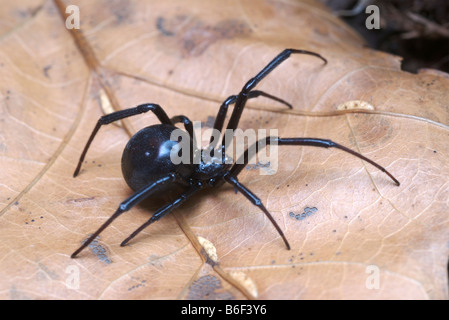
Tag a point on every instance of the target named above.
point(417, 30)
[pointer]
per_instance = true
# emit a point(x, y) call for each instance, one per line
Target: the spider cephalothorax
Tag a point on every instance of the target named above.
point(149, 169)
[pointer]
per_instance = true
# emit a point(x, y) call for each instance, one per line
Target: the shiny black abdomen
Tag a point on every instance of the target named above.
point(146, 158)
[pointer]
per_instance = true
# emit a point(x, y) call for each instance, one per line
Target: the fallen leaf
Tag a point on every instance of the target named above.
point(354, 234)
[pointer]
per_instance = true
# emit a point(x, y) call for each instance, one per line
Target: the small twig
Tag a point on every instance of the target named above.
point(431, 28)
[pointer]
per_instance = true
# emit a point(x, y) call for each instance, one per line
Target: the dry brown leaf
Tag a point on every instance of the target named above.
point(188, 58)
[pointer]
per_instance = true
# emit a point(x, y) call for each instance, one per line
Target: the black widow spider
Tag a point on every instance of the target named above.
point(149, 171)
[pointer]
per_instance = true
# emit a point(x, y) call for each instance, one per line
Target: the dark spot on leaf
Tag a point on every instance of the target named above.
point(161, 28)
point(258, 165)
point(301, 216)
point(98, 250)
point(209, 122)
point(192, 36)
point(80, 199)
point(138, 285)
point(208, 288)
point(46, 69)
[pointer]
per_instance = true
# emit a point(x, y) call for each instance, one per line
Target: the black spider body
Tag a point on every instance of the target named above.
point(146, 158)
point(149, 169)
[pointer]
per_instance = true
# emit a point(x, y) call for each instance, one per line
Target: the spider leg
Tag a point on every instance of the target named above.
point(162, 212)
point(219, 120)
point(189, 128)
point(243, 96)
point(258, 93)
point(241, 163)
point(186, 121)
point(127, 205)
point(118, 115)
point(228, 177)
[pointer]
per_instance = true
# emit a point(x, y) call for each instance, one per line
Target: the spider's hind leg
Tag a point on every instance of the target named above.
point(118, 115)
point(162, 212)
point(126, 205)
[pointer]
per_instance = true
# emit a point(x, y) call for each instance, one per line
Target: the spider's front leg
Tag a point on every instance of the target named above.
point(231, 175)
point(243, 96)
point(220, 118)
point(315, 142)
point(247, 90)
